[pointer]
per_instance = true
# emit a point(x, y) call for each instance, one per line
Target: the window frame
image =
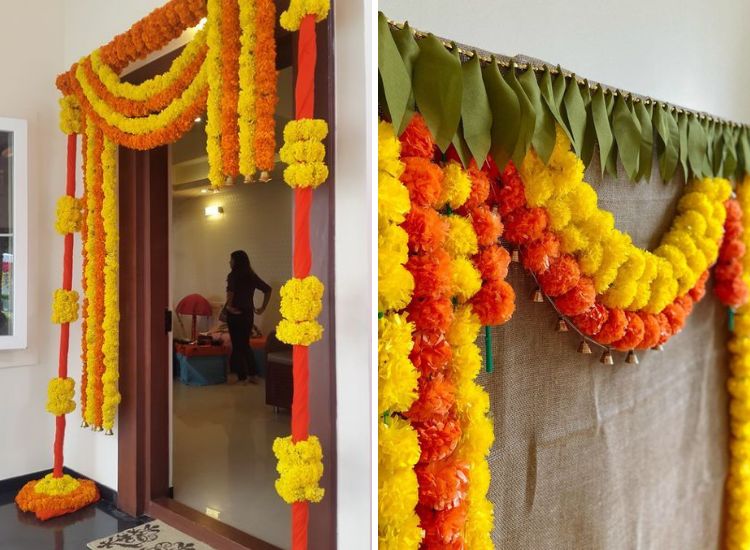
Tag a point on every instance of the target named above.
point(19, 192)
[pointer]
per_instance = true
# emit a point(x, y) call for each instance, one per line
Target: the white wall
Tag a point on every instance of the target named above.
point(688, 52)
point(29, 63)
point(258, 219)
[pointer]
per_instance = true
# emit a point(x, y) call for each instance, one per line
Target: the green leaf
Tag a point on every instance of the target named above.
point(476, 116)
point(601, 126)
point(396, 79)
point(744, 158)
point(628, 136)
point(438, 88)
point(682, 125)
point(719, 153)
point(544, 131)
point(646, 153)
point(708, 159)
point(506, 114)
point(696, 146)
point(528, 117)
point(668, 141)
point(462, 148)
point(547, 90)
point(575, 114)
point(730, 152)
point(409, 50)
point(589, 135)
point(611, 167)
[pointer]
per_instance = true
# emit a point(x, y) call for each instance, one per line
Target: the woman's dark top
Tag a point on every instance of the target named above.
point(243, 286)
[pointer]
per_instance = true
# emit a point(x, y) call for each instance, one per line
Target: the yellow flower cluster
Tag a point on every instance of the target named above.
point(738, 480)
point(626, 276)
point(398, 444)
point(461, 239)
point(60, 392)
point(398, 493)
point(64, 306)
point(213, 101)
point(301, 303)
point(111, 324)
point(71, 118)
point(456, 186)
point(93, 319)
point(56, 486)
point(155, 85)
point(300, 468)
point(246, 100)
point(395, 283)
point(304, 153)
point(147, 124)
point(302, 299)
point(291, 19)
point(69, 215)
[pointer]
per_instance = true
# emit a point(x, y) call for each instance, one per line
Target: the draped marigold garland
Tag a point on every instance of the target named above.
point(738, 482)
point(300, 456)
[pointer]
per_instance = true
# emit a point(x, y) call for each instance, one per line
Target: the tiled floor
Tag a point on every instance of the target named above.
point(22, 531)
point(222, 457)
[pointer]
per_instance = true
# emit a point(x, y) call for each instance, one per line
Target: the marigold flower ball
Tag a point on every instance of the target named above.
point(438, 437)
point(537, 255)
point(675, 315)
point(443, 529)
point(416, 140)
point(651, 331)
point(733, 293)
point(524, 225)
point(494, 303)
point(443, 484)
point(730, 249)
point(487, 225)
point(424, 180)
point(426, 229)
point(729, 270)
point(591, 321)
point(578, 299)
point(436, 398)
point(614, 328)
point(432, 275)
point(699, 290)
point(431, 353)
point(563, 274)
point(480, 187)
point(634, 333)
point(665, 328)
point(492, 262)
point(511, 194)
point(431, 314)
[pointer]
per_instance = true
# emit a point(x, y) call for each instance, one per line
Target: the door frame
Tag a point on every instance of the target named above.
point(144, 414)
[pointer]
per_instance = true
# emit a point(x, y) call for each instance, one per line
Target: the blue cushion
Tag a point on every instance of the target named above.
point(202, 371)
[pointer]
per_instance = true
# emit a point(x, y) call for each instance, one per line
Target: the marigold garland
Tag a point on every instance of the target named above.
point(230, 93)
point(730, 286)
point(246, 99)
point(302, 299)
point(304, 333)
point(300, 468)
point(69, 215)
point(291, 18)
point(60, 392)
point(64, 306)
point(266, 96)
point(304, 152)
point(71, 119)
point(61, 501)
point(213, 99)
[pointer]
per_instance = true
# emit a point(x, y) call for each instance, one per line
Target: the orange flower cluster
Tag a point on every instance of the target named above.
point(50, 506)
point(153, 104)
point(560, 277)
point(97, 305)
point(85, 305)
point(265, 84)
point(730, 286)
point(230, 84)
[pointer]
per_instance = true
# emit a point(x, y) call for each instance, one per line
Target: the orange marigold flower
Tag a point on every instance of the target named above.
point(426, 229)
point(423, 179)
point(431, 353)
point(524, 225)
point(492, 262)
point(634, 333)
point(487, 225)
point(578, 299)
point(613, 328)
point(443, 483)
point(563, 274)
point(538, 255)
point(651, 331)
point(591, 321)
point(432, 274)
point(494, 303)
point(431, 314)
point(416, 140)
point(438, 437)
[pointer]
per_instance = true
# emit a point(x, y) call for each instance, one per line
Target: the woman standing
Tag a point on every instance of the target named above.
point(241, 284)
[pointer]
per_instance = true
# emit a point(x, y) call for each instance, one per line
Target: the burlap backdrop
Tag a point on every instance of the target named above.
point(597, 457)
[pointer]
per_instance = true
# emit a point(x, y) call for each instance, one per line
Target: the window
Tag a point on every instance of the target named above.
point(13, 233)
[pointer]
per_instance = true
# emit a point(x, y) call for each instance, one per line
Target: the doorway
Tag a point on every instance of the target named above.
point(145, 483)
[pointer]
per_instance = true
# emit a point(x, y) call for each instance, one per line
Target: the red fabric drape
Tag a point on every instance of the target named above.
point(307, 55)
point(62, 365)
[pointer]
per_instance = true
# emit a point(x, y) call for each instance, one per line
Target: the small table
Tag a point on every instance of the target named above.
point(202, 365)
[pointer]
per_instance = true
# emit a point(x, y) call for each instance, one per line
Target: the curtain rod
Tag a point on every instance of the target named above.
point(512, 62)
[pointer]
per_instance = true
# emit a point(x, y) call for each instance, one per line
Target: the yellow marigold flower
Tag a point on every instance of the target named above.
point(398, 446)
point(291, 19)
point(582, 202)
point(302, 299)
point(397, 497)
point(64, 306)
point(562, 147)
point(461, 239)
point(538, 185)
point(71, 119)
point(559, 215)
point(466, 279)
point(404, 534)
point(696, 202)
point(473, 404)
point(395, 287)
point(691, 222)
point(308, 174)
point(56, 486)
point(465, 327)
point(300, 468)
point(643, 293)
point(598, 225)
point(305, 129)
point(389, 151)
point(302, 151)
point(617, 246)
point(299, 334)
point(572, 239)
point(675, 257)
point(591, 258)
point(393, 200)
point(466, 362)
point(60, 392)
point(397, 376)
point(456, 185)
point(69, 215)
point(663, 289)
point(480, 521)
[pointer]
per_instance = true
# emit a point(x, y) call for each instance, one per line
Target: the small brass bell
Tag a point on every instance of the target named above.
point(229, 181)
point(606, 358)
point(632, 358)
point(515, 256)
point(584, 348)
point(84, 424)
point(98, 429)
point(562, 325)
point(537, 296)
point(249, 179)
point(109, 432)
point(265, 176)
point(658, 348)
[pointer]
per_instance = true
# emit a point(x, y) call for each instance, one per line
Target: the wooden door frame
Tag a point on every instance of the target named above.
point(143, 422)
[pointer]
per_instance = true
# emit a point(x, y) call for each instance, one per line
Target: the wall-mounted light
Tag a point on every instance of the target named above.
point(213, 211)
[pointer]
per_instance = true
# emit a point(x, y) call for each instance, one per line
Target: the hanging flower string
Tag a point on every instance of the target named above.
point(300, 456)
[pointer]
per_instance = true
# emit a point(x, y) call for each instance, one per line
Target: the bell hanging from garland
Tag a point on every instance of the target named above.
point(265, 176)
point(584, 348)
point(109, 432)
point(84, 424)
point(658, 347)
point(537, 296)
point(249, 179)
point(562, 325)
point(632, 358)
point(514, 256)
point(606, 358)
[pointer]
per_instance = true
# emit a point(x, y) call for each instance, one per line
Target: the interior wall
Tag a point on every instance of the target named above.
point(30, 62)
point(687, 52)
point(258, 219)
